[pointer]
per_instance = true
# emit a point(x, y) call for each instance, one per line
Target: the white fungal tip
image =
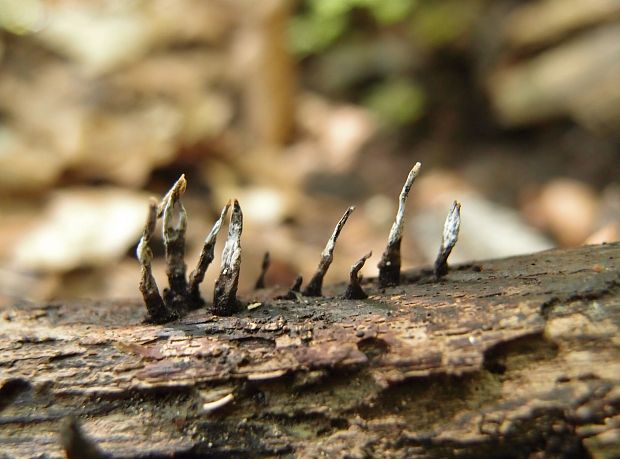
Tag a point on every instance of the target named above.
point(452, 225)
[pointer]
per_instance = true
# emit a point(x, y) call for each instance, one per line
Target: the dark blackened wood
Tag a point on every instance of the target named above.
point(505, 358)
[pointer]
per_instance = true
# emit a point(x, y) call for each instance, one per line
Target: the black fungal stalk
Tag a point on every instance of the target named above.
point(389, 266)
point(294, 292)
point(76, 444)
point(354, 289)
point(206, 257)
point(448, 240)
point(260, 282)
point(225, 294)
point(174, 227)
point(157, 309)
point(181, 296)
point(296, 287)
point(315, 286)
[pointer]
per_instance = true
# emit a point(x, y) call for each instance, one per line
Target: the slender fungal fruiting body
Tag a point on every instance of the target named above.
point(294, 292)
point(354, 289)
point(174, 227)
point(184, 295)
point(225, 294)
point(206, 257)
point(181, 296)
point(315, 285)
point(76, 444)
point(157, 310)
point(448, 241)
point(260, 282)
point(389, 266)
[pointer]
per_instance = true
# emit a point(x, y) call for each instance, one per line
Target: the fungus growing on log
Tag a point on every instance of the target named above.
point(183, 296)
point(206, 257)
point(354, 289)
point(389, 266)
point(260, 282)
point(314, 287)
point(448, 240)
point(225, 292)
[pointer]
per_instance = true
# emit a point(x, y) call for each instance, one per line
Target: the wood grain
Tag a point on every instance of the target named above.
point(517, 357)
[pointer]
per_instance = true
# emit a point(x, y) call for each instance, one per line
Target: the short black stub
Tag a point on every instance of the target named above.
point(354, 289)
point(260, 282)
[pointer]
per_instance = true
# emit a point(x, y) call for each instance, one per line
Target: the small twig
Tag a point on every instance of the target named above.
point(315, 285)
point(225, 293)
point(175, 224)
point(76, 444)
point(389, 266)
point(206, 257)
point(293, 292)
point(157, 310)
point(260, 282)
point(354, 289)
point(448, 240)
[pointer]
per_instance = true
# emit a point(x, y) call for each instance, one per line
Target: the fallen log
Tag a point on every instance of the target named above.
point(518, 357)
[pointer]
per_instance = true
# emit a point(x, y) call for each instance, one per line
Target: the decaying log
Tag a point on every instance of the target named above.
point(506, 358)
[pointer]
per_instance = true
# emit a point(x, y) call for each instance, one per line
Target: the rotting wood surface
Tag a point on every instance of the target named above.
point(506, 358)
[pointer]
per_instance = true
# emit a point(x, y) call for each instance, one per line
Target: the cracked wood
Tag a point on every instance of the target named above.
point(514, 358)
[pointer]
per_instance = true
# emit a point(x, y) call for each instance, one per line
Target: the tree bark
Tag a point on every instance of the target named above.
point(517, 357)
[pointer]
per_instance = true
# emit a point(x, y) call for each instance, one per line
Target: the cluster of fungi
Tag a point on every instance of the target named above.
point(183, 293)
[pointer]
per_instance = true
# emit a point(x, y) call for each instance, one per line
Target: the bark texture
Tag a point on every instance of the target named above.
point(505, 358)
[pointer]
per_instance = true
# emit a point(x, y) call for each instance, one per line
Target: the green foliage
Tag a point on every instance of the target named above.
point(428, 25)
point(440, 22)
point(311, 33)
point(433, 23)
point(390, 11)
point(396, 102)
point(324, 21)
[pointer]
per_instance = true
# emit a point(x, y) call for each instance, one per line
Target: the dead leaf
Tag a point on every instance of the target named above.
point(83, 227)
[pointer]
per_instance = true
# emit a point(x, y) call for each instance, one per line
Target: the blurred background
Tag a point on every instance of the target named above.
point(300, 109)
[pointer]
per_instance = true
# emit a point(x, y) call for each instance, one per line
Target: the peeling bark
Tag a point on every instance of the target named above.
point(505, 358)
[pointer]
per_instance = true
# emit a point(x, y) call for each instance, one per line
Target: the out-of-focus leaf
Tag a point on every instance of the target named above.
point(566, 208)
point(577, 77)
point(21, 16)
point(327, 20)
point(396, 102)
point(95, 39)
point(541, 22)
point(26, 167)
point(330, 8)
point(83, 227)
point(391, 11)
point(309, 34)
point(438, 22)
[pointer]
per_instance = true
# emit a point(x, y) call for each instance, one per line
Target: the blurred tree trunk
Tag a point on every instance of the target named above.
point(506, 358)
point(269, 77)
